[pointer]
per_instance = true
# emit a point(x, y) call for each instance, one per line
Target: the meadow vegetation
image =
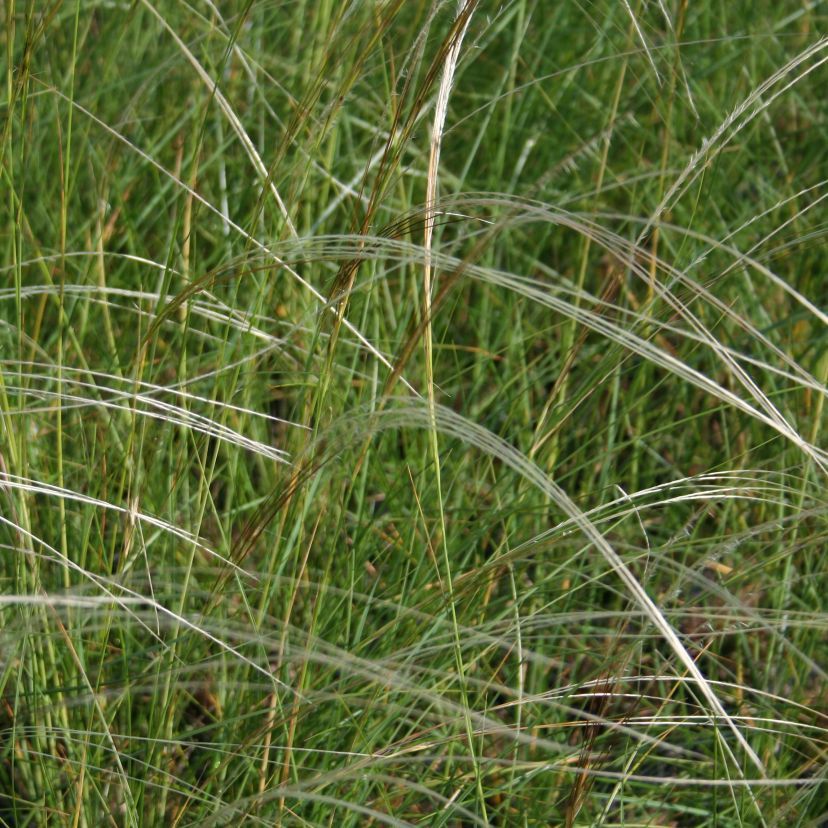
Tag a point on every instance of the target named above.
point(413, 413)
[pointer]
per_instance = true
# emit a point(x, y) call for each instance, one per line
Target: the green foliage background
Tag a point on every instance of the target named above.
point(281, 547)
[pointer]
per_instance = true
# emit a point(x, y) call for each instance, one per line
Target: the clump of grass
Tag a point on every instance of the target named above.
point(413, 413)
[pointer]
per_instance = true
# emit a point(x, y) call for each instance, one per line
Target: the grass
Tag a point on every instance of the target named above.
point(413, 413)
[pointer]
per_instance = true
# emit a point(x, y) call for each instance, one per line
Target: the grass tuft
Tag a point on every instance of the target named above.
point(413, 413)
